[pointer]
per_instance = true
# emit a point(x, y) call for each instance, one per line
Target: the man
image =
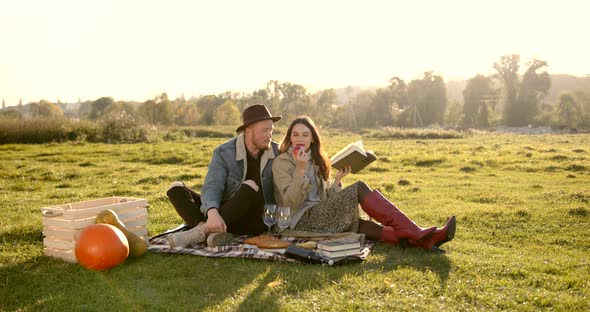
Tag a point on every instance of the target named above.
point(237, 186)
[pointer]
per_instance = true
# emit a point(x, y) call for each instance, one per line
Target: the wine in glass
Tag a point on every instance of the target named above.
point(269, 217)
point(283, 218)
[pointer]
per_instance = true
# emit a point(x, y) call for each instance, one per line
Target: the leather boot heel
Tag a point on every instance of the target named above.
point(449, 230)
point(438, 237)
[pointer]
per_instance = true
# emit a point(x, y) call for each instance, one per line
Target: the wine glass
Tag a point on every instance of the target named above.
point(269, 217)
point(283, 218)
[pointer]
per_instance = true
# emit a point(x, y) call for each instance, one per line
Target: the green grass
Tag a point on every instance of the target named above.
point(522, 205)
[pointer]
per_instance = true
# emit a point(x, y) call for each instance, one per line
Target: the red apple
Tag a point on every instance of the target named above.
point(296, 149)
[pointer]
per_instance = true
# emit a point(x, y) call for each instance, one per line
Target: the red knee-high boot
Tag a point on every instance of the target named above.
point(388, 236)
point(381, 209)
point(440, 236)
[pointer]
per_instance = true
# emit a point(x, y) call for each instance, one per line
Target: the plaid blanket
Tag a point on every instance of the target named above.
point(236, 249)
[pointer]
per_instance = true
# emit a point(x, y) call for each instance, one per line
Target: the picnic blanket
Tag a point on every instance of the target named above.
point(237, 248)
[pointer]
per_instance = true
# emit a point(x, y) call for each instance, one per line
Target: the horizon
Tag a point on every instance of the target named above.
point(136, 50)
point(139, 101)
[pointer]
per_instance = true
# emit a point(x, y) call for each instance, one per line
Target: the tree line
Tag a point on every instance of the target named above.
point(505, 97)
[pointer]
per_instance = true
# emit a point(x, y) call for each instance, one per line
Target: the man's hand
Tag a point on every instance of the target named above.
point(215, 222)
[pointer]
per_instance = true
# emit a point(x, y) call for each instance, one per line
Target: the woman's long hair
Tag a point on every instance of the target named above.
point(318, 155)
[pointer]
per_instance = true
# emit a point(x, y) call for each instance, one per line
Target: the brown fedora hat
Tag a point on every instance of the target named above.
point(256, 113)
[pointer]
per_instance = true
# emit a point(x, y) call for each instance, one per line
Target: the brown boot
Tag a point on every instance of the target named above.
point(193, 236)
point(440, 236)
point(381, 209)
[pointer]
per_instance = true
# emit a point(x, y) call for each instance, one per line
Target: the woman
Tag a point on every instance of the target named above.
point(301, 176)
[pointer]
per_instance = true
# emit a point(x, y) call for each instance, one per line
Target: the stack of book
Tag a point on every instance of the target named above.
point(338, 248)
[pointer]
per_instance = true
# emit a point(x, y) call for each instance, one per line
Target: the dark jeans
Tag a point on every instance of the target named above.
point(242, 213)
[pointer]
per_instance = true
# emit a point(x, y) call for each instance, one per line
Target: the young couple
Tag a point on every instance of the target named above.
point(251, 170)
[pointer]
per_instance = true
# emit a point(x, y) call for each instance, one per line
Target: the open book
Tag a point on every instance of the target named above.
point(354, 155)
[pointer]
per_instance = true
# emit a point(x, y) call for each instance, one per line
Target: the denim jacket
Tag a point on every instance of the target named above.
point(227, 171)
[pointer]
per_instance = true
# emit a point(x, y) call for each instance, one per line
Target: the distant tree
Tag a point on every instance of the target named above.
point(259, 97)
point(207, 106)
point(119, 107)
point(149, 111)
point(361, 112)
point(583, 98)
point(339, 118)
point(295, 100)
point(326, 100)
point(273, 90)
point(453, 114)
point(3, 104)
point(45, 109)
point(165, 112)
point(478, 90)
point(382, 107)
point(11, 113)
point(507, 70)
point(533, 87)
point(98, 107)
point(569, 112)
point(227, 114)
point(428, 97)
point(84, 109)
point(547, 115)
point(399, 92)
point(20, 103)
point(158, 111)
point(187, 114)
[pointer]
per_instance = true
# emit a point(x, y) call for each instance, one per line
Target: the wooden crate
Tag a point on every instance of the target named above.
point(63, 223)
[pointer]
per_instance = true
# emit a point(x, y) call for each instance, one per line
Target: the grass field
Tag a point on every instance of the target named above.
point(523, 239)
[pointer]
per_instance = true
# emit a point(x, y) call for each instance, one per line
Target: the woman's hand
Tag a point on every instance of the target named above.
point(341, 174)
point(301, 159)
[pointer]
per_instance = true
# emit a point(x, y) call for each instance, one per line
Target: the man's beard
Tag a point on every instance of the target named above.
point(262, 146)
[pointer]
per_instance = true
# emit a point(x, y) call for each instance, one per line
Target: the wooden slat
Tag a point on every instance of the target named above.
point(58, 244)
point(60, 233)
point(68, 256)
point(83, 204)
point(72, 234)
point(114, 202)
point(93, 211)
point(94, 203)
point(67, 224)
point(80, 224)
point(137, 222)
point(132, 214)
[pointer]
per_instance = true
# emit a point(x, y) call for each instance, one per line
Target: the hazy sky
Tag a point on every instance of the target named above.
point(135, 50)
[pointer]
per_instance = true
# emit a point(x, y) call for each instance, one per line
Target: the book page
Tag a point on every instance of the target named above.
point(355, 146)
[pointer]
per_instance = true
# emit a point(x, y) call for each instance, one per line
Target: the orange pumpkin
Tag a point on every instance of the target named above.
point(101, 246)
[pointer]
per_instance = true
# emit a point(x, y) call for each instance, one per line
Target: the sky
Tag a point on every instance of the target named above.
point(135, 50)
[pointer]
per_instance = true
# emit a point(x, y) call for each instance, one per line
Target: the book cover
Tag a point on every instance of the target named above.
point(340, 253)
point(354, 155)
point(337, 245)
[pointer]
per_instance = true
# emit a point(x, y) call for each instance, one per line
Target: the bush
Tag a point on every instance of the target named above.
point(122, 127)
point(42, 130)
point(413, 133)
point(183, 133)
